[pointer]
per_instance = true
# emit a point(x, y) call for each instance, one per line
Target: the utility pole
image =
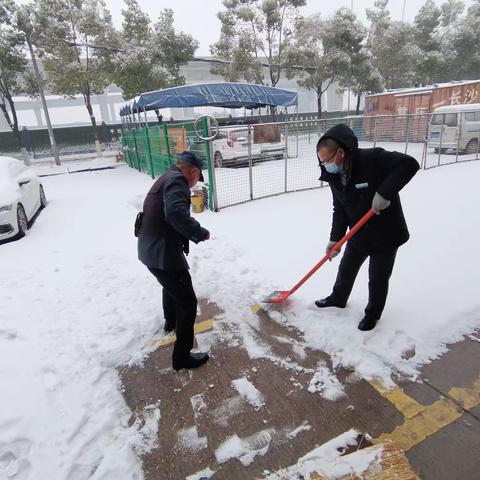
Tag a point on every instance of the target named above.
point(39, 78)
point(403, 11)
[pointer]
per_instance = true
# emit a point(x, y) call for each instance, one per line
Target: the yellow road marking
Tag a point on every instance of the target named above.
point(415, 430)
point(401, 401)
point(199, 327)
point(429, 419)
point(467, 397)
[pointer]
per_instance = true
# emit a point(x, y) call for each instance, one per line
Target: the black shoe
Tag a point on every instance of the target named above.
point(367, 323)
point(328, 302)
point(194, 360)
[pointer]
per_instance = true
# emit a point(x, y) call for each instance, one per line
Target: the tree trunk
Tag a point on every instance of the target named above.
point(14, 127)
point(359, 97)
point(319, 104)
point(94, 126)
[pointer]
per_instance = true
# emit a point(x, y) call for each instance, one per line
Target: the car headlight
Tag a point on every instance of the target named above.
point(5, 208)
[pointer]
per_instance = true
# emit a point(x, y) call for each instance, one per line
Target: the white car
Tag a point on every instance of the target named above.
point(21, 197)
point(230, 148)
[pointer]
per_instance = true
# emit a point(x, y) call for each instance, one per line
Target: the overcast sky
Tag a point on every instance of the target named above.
point(198, 17)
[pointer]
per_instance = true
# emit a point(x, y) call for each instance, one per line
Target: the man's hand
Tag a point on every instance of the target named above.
point(379, 203)
point(330, 245)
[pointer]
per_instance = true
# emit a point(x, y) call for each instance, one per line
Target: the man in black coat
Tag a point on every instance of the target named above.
point(163, 241)
point(360, 179)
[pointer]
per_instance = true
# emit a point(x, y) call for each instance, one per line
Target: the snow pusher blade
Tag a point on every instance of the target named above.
point(280, 296)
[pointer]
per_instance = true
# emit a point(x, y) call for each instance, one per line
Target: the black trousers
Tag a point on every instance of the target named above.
point(379, 272)
point(179, 307)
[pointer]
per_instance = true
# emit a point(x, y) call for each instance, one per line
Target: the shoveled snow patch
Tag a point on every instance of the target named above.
point(245, 449)
point(203, 474)
point(188, 439)
point(305, 427)
point(248, 392)
point(148, 429)
point(327, 461)
point(326, 383)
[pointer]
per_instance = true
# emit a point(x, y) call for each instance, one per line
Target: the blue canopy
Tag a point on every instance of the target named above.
point(227, 95)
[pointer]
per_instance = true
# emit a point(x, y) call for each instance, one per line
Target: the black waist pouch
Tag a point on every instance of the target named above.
point(138, 223)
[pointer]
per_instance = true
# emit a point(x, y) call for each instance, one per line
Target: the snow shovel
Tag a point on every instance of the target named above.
point(280, 296)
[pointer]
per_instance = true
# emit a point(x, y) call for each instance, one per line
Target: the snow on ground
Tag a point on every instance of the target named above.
point(270, 244)
point(75, 303)
point(245, 449)
point(327, 461)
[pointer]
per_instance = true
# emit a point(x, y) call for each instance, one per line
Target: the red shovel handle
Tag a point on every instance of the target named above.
point(335, 248)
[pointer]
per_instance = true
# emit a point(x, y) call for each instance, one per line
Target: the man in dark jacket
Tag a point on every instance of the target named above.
point(360, 179)
point(163, 241)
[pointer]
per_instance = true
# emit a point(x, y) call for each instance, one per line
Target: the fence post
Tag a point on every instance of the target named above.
point(212, 182)
point(250, 173)
point(285, 155)
point(167, 145)
point(408, 134)
point(459, 134)
point(149, 152)
point(424, 153)
point(137, 166)
point(440, 145)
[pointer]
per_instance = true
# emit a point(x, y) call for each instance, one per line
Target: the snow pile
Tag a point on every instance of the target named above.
point(248, 392)
point(245, 449)
point(327, 461)
point(326, 383)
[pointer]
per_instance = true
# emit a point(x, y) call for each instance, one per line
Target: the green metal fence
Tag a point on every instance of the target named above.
point(153, 150)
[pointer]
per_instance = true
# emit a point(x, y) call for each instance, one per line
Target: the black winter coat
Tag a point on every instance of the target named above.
point(167, 225)
point(370, 170)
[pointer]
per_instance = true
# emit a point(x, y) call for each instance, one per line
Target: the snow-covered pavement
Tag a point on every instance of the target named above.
point(75, 303)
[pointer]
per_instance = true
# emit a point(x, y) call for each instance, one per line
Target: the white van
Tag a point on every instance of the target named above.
point(455, 125)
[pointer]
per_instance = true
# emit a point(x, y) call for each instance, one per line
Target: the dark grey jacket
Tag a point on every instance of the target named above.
point(369, 170)
point(167, 225)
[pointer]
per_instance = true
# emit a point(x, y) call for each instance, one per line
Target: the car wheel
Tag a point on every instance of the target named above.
point(218, 160)
point(22, 221)
point(472, 146)
point(43, 198)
